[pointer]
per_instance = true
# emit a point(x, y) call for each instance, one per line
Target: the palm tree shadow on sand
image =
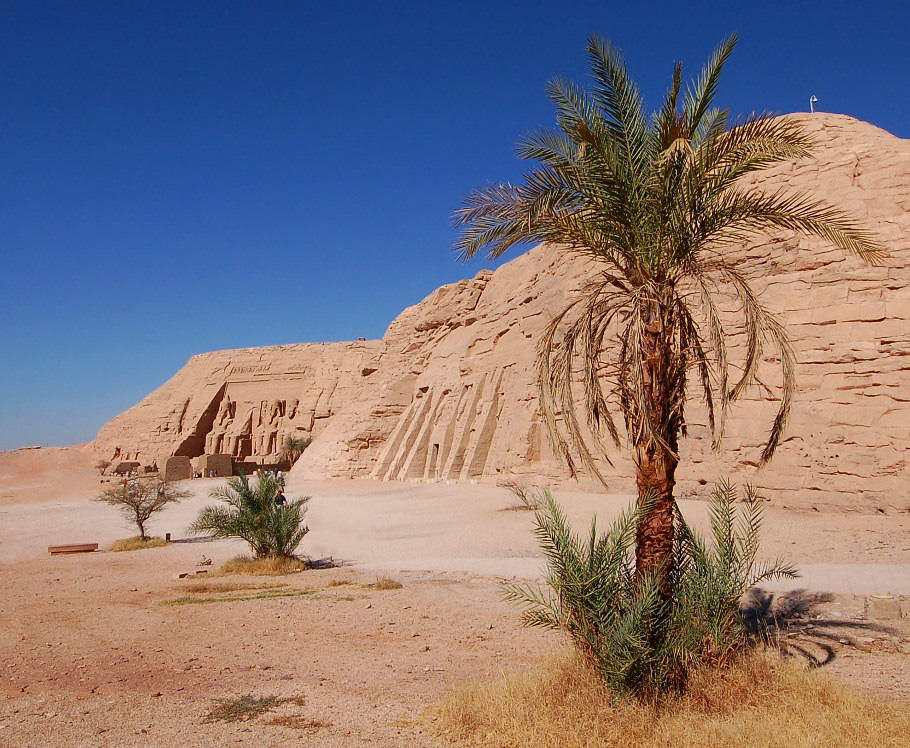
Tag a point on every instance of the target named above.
point(796, 623)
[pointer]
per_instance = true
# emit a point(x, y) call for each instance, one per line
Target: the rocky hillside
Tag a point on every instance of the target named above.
point(449, 393)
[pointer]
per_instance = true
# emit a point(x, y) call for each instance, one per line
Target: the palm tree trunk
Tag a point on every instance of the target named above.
point(656, 462)
point(655, 477)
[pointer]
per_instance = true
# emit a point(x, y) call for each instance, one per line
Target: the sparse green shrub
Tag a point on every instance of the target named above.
point(641, 640)
point(529, 498)
point(140, 498)
point(243, 708)
point(272, 530)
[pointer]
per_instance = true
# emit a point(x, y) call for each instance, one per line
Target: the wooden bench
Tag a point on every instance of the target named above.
point(77, 548)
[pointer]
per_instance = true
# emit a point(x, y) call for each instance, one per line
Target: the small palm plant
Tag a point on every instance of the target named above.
point(252, 514)
point(640, 641)
point(292, 447)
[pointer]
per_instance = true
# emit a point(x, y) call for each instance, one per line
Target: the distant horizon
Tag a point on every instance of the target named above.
point(181, 179)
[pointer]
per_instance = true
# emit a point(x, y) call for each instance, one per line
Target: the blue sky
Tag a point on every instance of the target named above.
point(177, 177)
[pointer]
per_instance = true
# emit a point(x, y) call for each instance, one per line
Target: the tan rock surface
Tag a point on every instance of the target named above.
point(449, 393)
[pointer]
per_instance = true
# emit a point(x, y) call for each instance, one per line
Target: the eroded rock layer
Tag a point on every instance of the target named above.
point(449, 392)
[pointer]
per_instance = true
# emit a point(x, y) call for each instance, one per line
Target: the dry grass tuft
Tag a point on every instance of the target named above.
point(386, 583)
point(136, 543)
point(381, 583)
point(764, 702)
point(201, 588)
point(243, 708)
point(265, 593)
point(261, 567)
point(297, 722)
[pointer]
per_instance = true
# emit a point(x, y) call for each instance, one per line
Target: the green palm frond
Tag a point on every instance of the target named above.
point(701, 95)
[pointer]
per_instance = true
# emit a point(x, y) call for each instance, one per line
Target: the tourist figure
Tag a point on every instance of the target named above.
point(280, 499)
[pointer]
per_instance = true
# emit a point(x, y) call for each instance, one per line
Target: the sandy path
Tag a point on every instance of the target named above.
point(469, 528)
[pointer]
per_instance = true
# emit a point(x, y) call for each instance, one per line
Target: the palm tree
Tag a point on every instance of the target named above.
point(292, 447)
point(252, 514)
point(658, 202)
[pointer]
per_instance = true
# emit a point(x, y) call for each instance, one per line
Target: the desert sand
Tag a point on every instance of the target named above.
point(92, 656)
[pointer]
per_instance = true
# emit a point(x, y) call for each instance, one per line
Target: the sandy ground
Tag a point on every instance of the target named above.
point(93, 656)
point(44, 475)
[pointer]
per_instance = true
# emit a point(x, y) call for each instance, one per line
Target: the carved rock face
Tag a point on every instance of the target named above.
point(241, 402)
point(450, 391)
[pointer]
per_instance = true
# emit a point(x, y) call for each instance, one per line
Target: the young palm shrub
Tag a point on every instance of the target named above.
point(640, 641)
point(252, 514)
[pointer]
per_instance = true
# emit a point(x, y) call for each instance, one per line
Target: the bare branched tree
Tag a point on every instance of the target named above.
point(529, 498)
point(138, 499)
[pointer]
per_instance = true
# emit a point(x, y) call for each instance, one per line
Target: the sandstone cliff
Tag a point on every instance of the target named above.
point(240, 402)
point(449, 394)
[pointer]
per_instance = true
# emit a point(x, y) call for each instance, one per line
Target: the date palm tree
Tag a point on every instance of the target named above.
point(251, 511)
point(658, 202)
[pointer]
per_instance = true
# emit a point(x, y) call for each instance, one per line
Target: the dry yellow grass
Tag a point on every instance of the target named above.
point(386, 583)
point(297, 722)
point(381, 583)
point(136, 544)
point(261, 567)
point(762, 703)
point(268, 593)
point(201, 588)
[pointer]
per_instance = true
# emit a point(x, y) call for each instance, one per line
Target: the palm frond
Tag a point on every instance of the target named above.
point(700, 97)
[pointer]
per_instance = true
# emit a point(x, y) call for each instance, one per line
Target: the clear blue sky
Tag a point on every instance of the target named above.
point(177, 177)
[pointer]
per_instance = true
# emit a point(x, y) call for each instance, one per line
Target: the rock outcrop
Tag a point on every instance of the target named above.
point(240, 402)
point(449, 392)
